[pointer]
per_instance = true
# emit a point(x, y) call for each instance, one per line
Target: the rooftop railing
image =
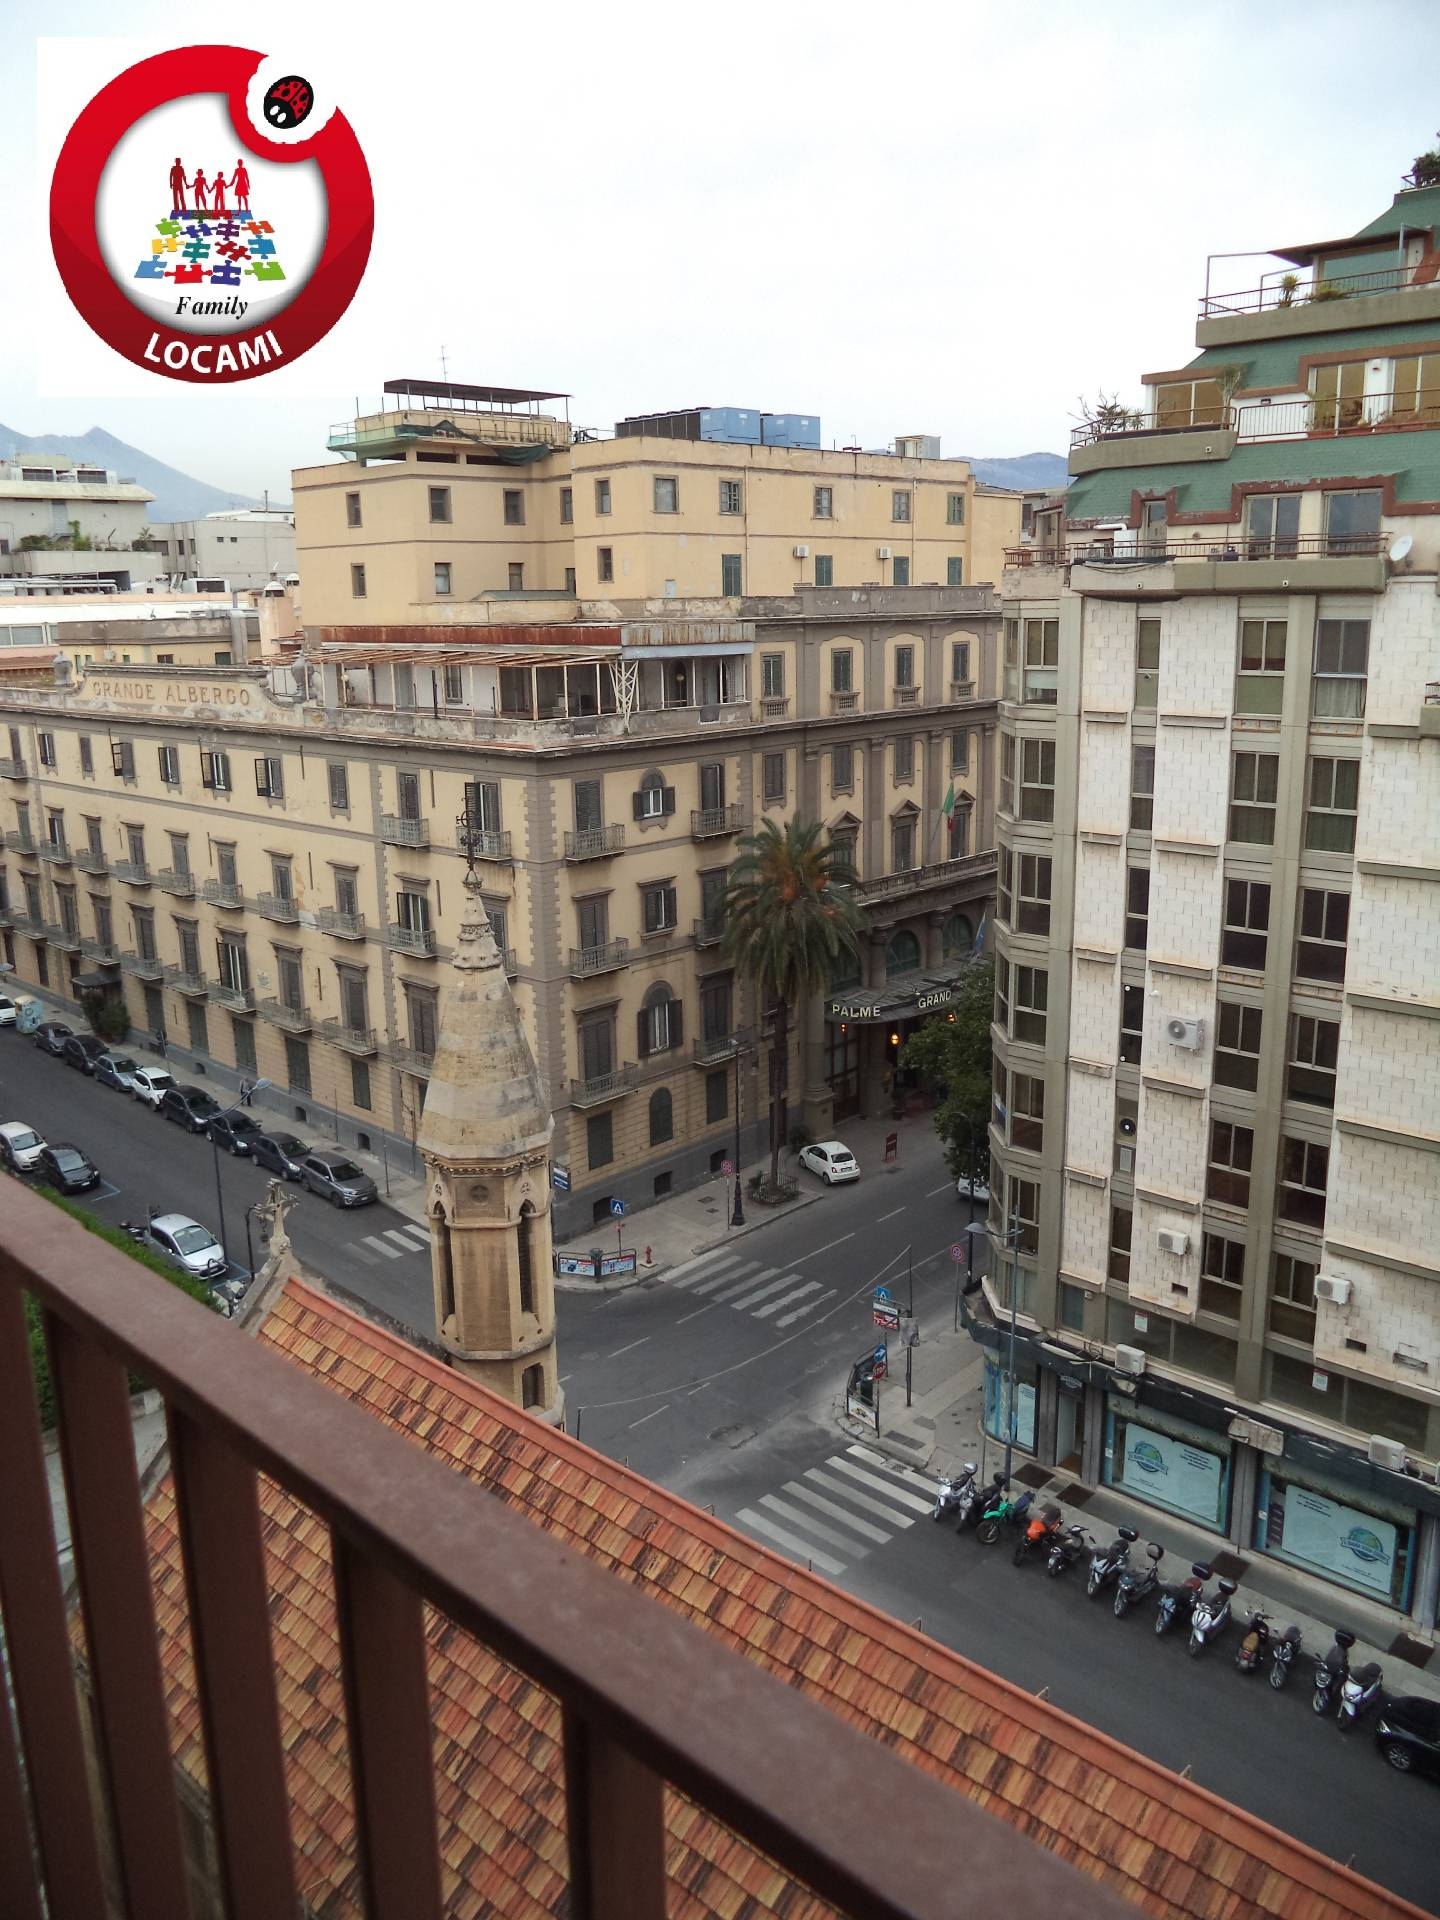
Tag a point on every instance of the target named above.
point(1240, 546)
point(1309, 294)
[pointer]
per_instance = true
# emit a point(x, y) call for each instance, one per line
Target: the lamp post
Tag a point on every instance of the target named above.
point(737, 1216)
point(224, 1114)
point(1009, 1242)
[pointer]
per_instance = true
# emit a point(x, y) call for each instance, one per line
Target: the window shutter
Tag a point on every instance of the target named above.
point(207, 770)
point(637, 805)
point(677, 1024)
point(667, 800)
point(262, 777)
point(671, 913)
point(642, 1034)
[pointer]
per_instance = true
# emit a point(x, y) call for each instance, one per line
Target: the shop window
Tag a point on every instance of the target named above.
point(998, 1411)
point(1313, 1058)
point(1254, 785)
point(1244, 936)
point(1222, 1276)
point(1237, 1046)
point(1334, 800)
point(1227, 1177)
point(1327, 1526)
point(1324, 932)
point(1304, 1176)
point(1166, 1461)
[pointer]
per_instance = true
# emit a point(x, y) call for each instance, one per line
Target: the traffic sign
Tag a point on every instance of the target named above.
point(559, 1177)
point(727, 1167)
point(617, 1209)
point(886, 1316)
point(881, 1361)
point(883, 1293)
point(957, 1250)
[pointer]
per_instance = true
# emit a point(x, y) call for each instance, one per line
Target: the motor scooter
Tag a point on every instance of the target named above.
point(1250, 1654)
point(974, 1499)
point(1039, 1532)
point(1106, 1562)
point(1066, 1548)
point(1004, 1509)
point(1211, 1615)
point(1177, 1598)
point(1332, 1672)
point(947, 1494)
point(1358, 1694)
point(1286, 1652)
point(1138, 1583)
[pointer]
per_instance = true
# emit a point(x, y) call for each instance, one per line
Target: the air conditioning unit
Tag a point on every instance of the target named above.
point(1189, 1034)
point(882, 553)
point(1334, 1288)
point(1171, 1242)
point(801, 553)
point(1132, 1360)
point(1386, 1453)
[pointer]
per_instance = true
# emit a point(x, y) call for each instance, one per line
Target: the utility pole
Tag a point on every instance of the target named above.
point(737, 1216)
point(910, 1316)
point(1011, 1245)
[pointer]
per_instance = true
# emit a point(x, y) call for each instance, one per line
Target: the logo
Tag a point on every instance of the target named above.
point(1148, 1457)
point(211, 213)
point(1366, 1546)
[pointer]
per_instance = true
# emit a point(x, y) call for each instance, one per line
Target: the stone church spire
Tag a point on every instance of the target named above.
point(485, 1136)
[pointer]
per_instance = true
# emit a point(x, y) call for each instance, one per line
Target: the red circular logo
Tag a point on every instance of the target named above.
point(211, 213)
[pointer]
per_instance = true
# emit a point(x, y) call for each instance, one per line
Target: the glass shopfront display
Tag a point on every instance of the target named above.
point(1168, 1462)
point(997, 1404)
point(1356, 1539)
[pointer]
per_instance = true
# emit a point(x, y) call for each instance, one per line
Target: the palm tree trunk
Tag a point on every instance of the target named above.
point(779, 1081)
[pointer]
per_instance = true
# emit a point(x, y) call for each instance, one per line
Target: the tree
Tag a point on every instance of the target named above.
point(789, 915)
point(953, 1052)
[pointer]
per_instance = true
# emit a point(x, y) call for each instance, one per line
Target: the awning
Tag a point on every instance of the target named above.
point(917, 993)
point(91, 981)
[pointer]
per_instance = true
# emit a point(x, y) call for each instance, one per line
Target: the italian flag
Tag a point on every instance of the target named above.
point(947, 807)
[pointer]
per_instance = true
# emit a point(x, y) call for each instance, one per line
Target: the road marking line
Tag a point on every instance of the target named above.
point(909, 1477)
point(747, 1272)
point(889, 1216)
point(912, 1500)
point(366, 1259)
point(847, 1492)
point(420, 1235)
point(799, 1549)
point(402, 1239)
point(697, 1313)
point(789, 1319)
point(748, 1294)
point(646, 1416)
point(630, 1349)
point(810, 1286)
point(390, 1253)
point(804, 1520)
point(827, 1246)
point(862, 1527)
point(945, 1188)
point(699, 1260)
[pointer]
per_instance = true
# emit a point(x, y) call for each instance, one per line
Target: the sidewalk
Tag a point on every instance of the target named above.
point(942, 1430)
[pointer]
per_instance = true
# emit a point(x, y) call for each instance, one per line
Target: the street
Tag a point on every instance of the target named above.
point(719, 1379)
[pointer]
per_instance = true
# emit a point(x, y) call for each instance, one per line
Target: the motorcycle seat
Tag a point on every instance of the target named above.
point(1368, 1674)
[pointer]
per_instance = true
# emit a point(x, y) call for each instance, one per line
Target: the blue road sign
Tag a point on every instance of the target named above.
point(883, 1293)
point(617, 1209)
point(559, 1177)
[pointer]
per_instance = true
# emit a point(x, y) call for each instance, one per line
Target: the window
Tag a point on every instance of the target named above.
point(230, 955)
point(1072, 1307)
point(421, 1018)
point(1415, 384)
point(900, 504)
point(824, 505)
point(960, 662)
point(169, 766)
point(904, 759)
point(87, 754)
point(772, 676)
point(1137, 907)
point(1122, 1229)
point(730, 575)
point(225, 868)
point(442, 576)
point(1037, 779)
point(199, 1038)
point(666, 493)
point(902, 845)
point(731, 496)
point(1042, 660)
point(1222, 1276)
point(824, 570)
point(1304, 1173)
point(567, 506)
point(1007, 773)
point(1142, 788)
point(270, 777)
point(654, 800)
point(282, 878)
point(1244, 935)
point(215, 771)
point(515, 576)
point(122, 759)
point(599, 1141)
point(900, 571)
point(1228, 1175)
point(842, 770)
point(1188, 403)
point(1027, 1112)
point(662, 1117)
point(659, 1021)
point(1342, 652)
point(658, 904)
point(717, 1097)
point(716, 1009)
point(297, 1064)
point(360, 1084)
point(180, 852)
point(960, 752)
point(1272, 523)
point(242, 1039)
point(1029, 911)
point(1352, 522)
point(772, 779)
point(602, 496)
point(1313, 1058)
point(841, 663)
point(357, 583)
point(1339, 396)
point(954, 509)
point(352, 510)
point(1030, 1004)
point(1254, 782)
point(954, 571)
point(605, 563)
point(569, 579)
point(1147, 664)
point(440, 506)
point(843, 844)
point(1334, 800)
point(338, 778)
point(412, 911)
point(46, 744)
point(1324, 932)
point(1292, 1298)
point(586, 797)
point(904, 666)
point(1260, 687)
point(290, 979)
point(1132, 1024)
point(452, 680)
point(347, 896)
point(1237, 1046)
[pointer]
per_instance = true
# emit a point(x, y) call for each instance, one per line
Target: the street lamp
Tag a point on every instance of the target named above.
point(1009, 1242)
point(737, 1216)
point(224, 1114)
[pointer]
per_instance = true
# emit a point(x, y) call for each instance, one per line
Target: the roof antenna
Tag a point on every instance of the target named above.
point(444, 365)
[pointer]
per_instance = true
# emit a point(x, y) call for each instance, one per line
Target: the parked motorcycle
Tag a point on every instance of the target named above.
point(137, 1233)
point(1006, 1509)
point(1107, 1562)
point(1357, 1695)
point(1039, 1532)
point(1177, 1598)
point(1286, 1652)
point(1211, 1615)
point(1332, 1672)
point(1250, 1654)
point(1066, 1548)
point(1138, 1583)
point(947, 1494)
point(974, 1499)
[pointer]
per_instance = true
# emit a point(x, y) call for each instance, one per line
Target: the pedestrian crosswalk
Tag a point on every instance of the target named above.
point(772, 1294)
point(852, 1503)
point(393, 1243)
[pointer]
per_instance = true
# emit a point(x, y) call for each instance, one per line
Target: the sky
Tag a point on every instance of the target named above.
point(953, 218)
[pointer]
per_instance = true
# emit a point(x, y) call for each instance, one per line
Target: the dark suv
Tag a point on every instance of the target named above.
point(66, 1167)
point(82, 1050)
point(280, 1152)
point(189, 1107)
point(236, 1132)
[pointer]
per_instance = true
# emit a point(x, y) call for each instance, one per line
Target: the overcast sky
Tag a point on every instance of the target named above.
point(949, 218)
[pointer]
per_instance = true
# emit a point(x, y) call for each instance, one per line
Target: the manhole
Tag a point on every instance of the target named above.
point(1414, 1652)
point(1033, 1476)
point(1228, 1566)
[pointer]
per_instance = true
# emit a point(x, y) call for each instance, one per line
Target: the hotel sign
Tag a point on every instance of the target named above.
point(894, 1006)
point(139, 690)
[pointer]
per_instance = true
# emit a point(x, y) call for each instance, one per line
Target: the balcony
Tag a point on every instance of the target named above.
point(844, 702)
point(223, 893)
point(237, 999)
point(709, 933)
point(917, 879)
point(398, 832)
point(484, 844)
point(509, 962)
point(104, 953)
point(594, 843)
point(29, 923)
point(774, 706)
point(709, 1053)
point(55, 851)
point(419, 941)
point(412, 1059)
point(20, 840)
point(586, 962)
point(904, 696)
point(135, 873)
point(278, 906)
point(174, 880)
point(361, 1040)
point(344, 926)
point(92, 860)
point(1332, 418)
point(600, 1087)
point(144, 966)
point(66, 938)
point(13, 767)
point(185, 980)
point(962, 689)
point(1301, 297)
point(714, 823)
point(279, 1014)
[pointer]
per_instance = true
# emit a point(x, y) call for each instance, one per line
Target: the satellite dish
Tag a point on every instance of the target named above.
point(1400, 549)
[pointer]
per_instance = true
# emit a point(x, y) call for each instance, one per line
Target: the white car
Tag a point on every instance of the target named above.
point(832, 1160)
point(151, 1084)
point(188, 1244)
point(20, 1146)
point(8, 1010)
point(977, 1190)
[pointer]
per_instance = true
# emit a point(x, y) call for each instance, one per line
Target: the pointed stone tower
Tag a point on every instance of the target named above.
point(485, 1136)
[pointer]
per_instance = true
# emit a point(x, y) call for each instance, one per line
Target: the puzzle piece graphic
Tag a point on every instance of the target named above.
point(227, 229)
point(262, 248)
point(198, 230)
point(186, 276)
point(151, 269)
point(261, 226)
point(228, 250)
point(167, 226)
point(225, 273)
point(163, 246)
point(195, 250)
point(266, 270)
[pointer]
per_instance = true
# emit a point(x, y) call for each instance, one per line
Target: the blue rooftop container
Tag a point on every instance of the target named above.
point(790, 429)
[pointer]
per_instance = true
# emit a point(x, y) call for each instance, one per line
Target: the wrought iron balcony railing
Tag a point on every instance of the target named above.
point(709, 932)
point(55, 850)
point(144, 966)
point(602, 1086)
point(239, 999)
point(396, 831)
point(361, 1040)
point(20, 840)
point(585, 961)
point(712, 823)
point(92, 860)
point(135, 873)
point(279, 1014)
point(187, 980)
point(176, 880)
point(344, 926)
point(13, 767)
point(223, 893)
point(417, 940)
point(594, 843)
point(278, 906)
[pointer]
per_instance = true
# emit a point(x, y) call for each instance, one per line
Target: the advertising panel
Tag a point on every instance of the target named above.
point(1168, 1472)
point(1358, 1548)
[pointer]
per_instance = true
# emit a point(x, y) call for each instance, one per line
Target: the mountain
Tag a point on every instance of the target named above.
point(177, 495)
point(1027, 472)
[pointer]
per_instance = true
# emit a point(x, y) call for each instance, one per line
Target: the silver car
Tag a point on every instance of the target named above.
point(188, 1244)
point(20, 1146)
point(151, 1084)
point(338, 1179)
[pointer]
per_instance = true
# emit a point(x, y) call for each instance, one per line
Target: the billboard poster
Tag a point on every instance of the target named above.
point(1359, 1547)
point(1171, 1473)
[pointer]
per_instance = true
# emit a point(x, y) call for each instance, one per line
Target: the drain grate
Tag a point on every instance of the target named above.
point(1033, 1476)
point(1228, 1566)
point(1406, 1647)
point(1076, 1496)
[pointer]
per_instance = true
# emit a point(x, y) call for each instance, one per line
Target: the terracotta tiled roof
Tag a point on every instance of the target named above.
point(1162, 1842)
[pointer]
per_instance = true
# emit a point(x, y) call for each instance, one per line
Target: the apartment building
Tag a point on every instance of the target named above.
point(1216, 1112)
point(77, 524)
point(152, 628)
point(241, 547)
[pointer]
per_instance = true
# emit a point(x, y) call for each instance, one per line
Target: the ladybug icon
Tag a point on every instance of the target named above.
point(289, 101)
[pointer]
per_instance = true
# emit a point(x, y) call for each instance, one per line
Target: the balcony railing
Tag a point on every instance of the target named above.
point(13, 767)
point(344, 926)
point(712, 823)
point(92, 860)
point(59, 935)
point(844, 702)
point(56, 851)
point(278, 906)
point(223, 893)
point(904, 696)
point(416, 940)
point(412, 1059)
point(938, 873)
point(602, 1086)
point(774, 706)
point(351, 1039)
point(485, 844)
point(1241, 546)
point(30, 923)
point(709, 933)
point(1309, 294)
point(1330, 417)
point(180, 882)
point(587, 961)
point(144, 966)
point(224, 994)
point(279, 1014)
point(135, 873)
point(104, 952)
point(594, 843)
point(396, 831)
point(1037, 556)
point(185, 980)
point(19, 840)
point(706, 1053)
point(1123, 423)
point(509, 962)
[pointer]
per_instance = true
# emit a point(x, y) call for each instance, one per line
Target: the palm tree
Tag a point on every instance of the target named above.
point(789, 915)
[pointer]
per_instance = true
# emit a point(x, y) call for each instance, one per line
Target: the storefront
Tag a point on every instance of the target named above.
point(1168, 1462)
point(1357, 1539)
point(997, 1403)
point(865, 1033)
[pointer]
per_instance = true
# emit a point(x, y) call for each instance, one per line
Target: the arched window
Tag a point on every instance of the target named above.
point(655, 799)
point(532, 1386)
point(844, 971)
point(902, 955)
point(662, 1117)
point(525, 1255)
point(957, 936)
point(660, 1026)
point(440, 1235)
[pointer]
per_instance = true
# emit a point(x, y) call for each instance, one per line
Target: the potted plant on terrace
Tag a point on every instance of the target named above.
point(1425, 171)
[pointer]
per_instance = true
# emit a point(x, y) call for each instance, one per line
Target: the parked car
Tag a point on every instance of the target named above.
point(335, 1178)
point(117, 1070)
point(20, 1146)
point(1408, 1734)
point(236, 1132)
point(282, 1153)
point(189, 1107)
point(51, 1035)
point(976, 1190)
point(82, 1050)
point(151, 1084)
point(831, 1160)
point(10, 1009)
point(188, 1244)
point(66, 1167)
